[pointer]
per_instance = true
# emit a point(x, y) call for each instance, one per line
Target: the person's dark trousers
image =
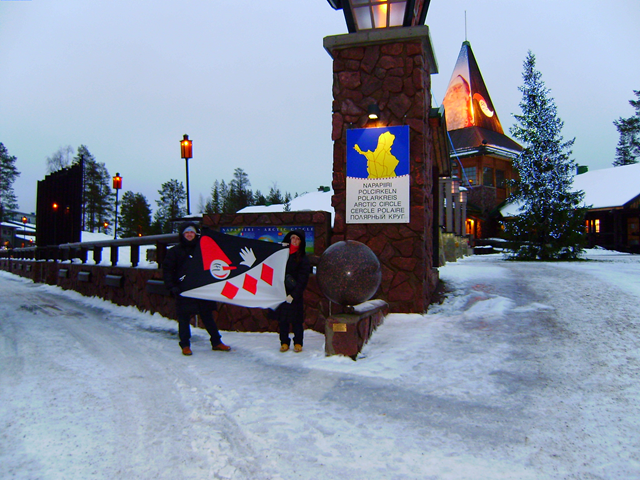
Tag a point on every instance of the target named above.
point(186, 308)
point(298, 332)
point(284, 331)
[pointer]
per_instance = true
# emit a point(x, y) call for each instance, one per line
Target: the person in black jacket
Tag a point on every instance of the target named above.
point(174, 269)
point(291, 312)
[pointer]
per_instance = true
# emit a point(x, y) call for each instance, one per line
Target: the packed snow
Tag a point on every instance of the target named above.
point(525, 371)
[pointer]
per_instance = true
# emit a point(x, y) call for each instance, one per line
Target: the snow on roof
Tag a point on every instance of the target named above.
point(605, 188)
point(609, 187)
point(314, 201)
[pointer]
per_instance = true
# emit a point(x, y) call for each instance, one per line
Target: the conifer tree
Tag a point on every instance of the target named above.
point(216, 203)
point(550, 224)
point(628, 149)
point(97, 198)
point(275, 196)
point(135, 216)
point(239, 194)
point(8, 175)
point(172, 205)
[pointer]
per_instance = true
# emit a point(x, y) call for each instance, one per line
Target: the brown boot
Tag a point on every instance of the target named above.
point(284, 347)
point(186, 351)
point(297, 348)
point(222, 347)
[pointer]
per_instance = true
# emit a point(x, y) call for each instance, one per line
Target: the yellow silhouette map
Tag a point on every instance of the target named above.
point(381, 163)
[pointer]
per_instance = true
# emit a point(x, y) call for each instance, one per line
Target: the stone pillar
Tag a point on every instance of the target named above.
point(391, 68)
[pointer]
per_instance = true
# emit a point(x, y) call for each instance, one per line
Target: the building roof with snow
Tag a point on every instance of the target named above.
point(606, 189)
point(610, 187)
point(313, 201)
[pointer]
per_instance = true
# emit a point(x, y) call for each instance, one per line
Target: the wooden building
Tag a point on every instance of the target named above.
point(481, 154)
point(613, 198)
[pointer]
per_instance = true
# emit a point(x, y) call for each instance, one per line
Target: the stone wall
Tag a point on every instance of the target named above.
point(130, 286)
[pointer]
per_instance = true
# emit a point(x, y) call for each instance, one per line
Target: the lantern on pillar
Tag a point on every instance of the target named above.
point(369, 14)
point(117, 185)
point(185, 150)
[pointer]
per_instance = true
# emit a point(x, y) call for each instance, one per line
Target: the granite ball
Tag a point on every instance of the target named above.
point(348, 273)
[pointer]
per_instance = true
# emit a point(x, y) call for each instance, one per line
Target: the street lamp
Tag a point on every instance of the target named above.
point(24, 230)
point(185, 149)
point(369, 14)
point(117, 185)
point(55, 222)
point(105, 224)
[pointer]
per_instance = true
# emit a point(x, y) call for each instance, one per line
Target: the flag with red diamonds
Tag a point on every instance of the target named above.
point(236, 270)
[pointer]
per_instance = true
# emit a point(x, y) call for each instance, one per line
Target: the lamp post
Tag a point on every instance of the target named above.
point(24, 231)
point(185, 150)
point(55, 222)
point(117, 185)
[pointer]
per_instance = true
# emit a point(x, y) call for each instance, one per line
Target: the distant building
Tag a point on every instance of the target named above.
point(613, 198)
point(17, 233)
point(313, 201)
point(481, 154)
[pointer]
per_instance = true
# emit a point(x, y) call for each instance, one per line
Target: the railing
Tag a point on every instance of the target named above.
point(80, 250)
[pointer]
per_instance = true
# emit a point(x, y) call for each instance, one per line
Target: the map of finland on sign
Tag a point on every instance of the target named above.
point(378, 175)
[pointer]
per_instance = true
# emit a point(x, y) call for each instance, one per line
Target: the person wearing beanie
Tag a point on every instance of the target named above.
point(290, 313)
point(174, 270)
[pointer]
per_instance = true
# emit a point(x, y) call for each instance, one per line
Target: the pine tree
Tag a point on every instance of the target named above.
point(287, 202)
point(135, 217)
point(8, 175)
point(259, 198)
point(239, 194)
point(97, 198)
point(172, 205)
point(225, 207)
point(551, 222)
point(216, 201)
point(628, 149)
point(275, 196)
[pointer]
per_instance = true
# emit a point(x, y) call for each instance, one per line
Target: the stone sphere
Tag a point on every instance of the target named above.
point(348, 273)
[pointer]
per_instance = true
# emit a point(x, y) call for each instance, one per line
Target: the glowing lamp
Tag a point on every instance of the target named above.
point(117, 182)
point(374, 111)
point(369, 14)
point(185, 147)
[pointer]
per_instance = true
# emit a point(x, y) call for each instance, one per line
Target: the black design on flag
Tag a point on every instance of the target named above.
point(236, 270)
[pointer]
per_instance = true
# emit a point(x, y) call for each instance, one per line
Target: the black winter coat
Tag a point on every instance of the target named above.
point(176, 266)
point(299, 268)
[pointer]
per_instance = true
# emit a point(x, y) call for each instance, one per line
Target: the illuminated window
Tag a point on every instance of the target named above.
point(470, 174)
point(597, 225)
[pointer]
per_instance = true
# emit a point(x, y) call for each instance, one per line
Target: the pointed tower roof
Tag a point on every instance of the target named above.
point(467, 102)
point(471, 118)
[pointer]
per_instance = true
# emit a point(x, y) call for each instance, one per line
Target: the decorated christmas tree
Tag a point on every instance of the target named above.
point(550, 224)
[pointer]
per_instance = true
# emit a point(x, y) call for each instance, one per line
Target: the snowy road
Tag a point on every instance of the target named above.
point(526, 371)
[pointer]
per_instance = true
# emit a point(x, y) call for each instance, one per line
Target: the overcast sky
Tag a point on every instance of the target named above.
point(251, 83)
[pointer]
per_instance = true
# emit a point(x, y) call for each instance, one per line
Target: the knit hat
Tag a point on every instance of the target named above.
point(189, 229)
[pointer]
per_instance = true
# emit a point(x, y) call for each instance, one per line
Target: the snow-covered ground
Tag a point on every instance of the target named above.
point(526, 371)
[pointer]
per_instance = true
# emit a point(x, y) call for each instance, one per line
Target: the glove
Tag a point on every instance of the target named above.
point(289, 299)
